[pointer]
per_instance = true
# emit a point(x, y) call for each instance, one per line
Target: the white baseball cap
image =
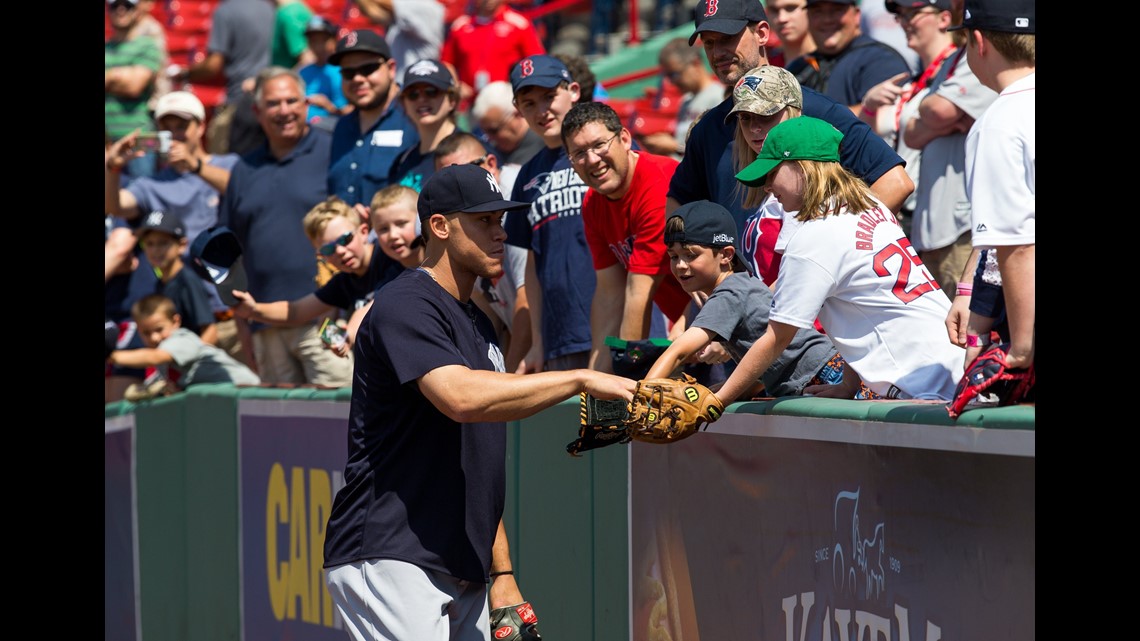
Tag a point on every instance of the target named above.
point(182, 104)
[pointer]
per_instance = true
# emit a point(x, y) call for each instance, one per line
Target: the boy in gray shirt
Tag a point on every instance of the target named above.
point(700, 240)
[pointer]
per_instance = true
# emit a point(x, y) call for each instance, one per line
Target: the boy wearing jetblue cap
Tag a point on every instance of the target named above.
point(700, 238)
point(427, 433)
point(1001, 50)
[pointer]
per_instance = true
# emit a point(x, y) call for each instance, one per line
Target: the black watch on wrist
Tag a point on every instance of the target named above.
point(198, 169)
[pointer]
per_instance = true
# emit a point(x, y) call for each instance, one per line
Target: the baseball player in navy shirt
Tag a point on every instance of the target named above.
point(415, 545)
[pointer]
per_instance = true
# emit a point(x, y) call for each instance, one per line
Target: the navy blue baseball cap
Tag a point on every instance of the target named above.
point(432, 72)
point(539, 71)
point(365, 40)
point(320, 24)
point(707, 223)
point(215, 255)
point(726, 16)
point(463, 188)
point(167, 222)
point(1004, 16)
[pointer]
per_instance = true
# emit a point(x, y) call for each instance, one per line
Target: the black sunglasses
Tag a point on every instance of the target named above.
point(328, 249)
point(414, 94)
point(366, 69)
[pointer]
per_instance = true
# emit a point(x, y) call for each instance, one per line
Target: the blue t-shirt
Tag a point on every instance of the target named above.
point(706, 171)
point(553, 228)
point(351, 292)
point(418, 487)
point(361, 164)
point(863, 64)
point(264, 205)
point(324, 80)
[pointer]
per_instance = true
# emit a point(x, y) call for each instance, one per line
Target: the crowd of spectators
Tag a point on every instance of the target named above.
point(318, 117)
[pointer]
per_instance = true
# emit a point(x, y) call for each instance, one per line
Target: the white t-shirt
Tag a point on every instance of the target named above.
point(1001, 168)
point(885, 314)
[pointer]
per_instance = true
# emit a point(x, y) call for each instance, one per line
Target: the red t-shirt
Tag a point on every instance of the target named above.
point(631, 231)
point(484, 51)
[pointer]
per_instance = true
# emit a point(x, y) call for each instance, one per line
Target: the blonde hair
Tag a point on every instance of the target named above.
point(393, 194)
point(1014, 47)
point(743, 155)
point(827, 185)
point(320, 216)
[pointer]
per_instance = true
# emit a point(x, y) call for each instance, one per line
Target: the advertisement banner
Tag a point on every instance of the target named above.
point(773, 528)
point(291, 458)
point(120, 552)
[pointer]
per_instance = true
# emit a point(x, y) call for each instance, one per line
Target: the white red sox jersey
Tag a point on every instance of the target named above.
point(1001, 168)
point(878, 303)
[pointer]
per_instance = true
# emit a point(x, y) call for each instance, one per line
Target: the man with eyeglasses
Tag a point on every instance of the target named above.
point(846, 64)
point(683, 65)
point(624, 217)
point(367, 142)
point(131, 62)
point(270, 191)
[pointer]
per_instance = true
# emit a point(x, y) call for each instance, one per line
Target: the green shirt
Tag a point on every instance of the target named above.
point(289, 34)
point(124, 115)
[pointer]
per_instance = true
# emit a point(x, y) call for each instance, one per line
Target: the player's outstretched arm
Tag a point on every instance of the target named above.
point(510, 397)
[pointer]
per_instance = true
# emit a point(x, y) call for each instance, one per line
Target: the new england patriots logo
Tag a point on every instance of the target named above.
point(752, 82)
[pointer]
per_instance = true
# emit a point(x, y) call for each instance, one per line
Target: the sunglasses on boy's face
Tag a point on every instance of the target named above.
point(328, 249)
point(366, 69)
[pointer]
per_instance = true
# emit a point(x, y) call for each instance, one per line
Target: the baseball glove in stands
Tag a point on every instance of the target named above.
point(989, 378)
point(663, 410)
point(515, 623)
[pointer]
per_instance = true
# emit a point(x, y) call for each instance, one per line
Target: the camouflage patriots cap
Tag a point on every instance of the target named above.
point(765, 91)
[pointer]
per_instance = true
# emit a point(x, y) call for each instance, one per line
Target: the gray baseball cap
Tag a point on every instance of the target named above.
point(765, 91)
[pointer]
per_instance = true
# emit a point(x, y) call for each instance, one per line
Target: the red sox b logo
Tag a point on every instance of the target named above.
point(351, 39)
point(527, 66)
point(711, 9)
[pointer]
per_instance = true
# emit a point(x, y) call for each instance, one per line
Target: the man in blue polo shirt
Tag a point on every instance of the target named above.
point(270, 191)
point(367, 142)
point(734, 34)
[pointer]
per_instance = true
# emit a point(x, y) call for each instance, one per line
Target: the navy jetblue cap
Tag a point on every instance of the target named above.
point(709, 224)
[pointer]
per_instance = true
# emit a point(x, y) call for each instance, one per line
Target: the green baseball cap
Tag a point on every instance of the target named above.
point(803, 138)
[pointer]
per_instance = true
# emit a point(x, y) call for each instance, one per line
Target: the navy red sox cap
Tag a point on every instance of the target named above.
point(539, 71)
point(1004, 16)
point(463, 188)
point(709, 224)
point(726, 16)
point(365, 40)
